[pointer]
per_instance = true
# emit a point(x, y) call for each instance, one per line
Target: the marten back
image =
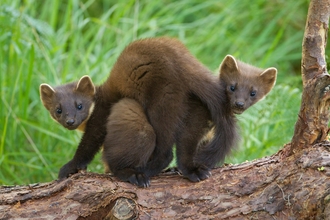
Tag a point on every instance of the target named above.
point(151, 65)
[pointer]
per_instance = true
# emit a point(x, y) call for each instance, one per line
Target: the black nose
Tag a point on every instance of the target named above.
point(70, 122)
point(239, 104)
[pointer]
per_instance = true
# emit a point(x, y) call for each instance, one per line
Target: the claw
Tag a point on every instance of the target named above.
point(140, 180)
point(198, 174)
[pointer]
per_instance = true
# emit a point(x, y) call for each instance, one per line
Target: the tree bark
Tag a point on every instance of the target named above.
point(276, 187)
point(312, 123)
point(292, 184)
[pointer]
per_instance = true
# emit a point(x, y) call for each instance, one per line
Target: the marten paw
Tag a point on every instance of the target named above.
point(198, 174)
point(70, 168)
point(139, 179)
point(133, 176)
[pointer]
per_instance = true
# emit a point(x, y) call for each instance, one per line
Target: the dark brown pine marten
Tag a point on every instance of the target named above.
point(157, 95)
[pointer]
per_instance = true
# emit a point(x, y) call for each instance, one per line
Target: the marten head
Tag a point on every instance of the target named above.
point(70, 104)
point(245, 84)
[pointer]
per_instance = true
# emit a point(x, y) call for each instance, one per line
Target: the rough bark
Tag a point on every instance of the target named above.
point(283, 186)
point(312, 123)
point(277, 187)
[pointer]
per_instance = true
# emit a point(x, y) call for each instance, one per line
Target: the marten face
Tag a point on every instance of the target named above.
point(70, 104)
point(245, 84)
point(242, 96)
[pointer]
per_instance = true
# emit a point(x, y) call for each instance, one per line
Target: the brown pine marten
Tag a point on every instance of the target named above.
point(157, 95)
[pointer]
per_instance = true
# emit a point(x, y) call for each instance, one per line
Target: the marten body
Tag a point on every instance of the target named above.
point(157, 95)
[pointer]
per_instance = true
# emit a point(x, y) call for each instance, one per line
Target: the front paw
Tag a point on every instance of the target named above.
point(70, 168)
point(198, 174)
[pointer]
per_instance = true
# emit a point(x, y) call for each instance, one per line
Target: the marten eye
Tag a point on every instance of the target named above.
point(253, 93)
point(59, 111)
point(79, 107)
point(232, 88)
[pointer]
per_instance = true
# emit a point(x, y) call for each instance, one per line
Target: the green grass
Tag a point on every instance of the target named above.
point(57, 41)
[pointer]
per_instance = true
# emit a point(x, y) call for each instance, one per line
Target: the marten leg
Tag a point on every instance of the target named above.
point(129, 142)
point(165, 117)
point(194, 135)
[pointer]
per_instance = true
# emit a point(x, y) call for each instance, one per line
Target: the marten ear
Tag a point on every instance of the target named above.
point(46, 95)
point(268, 78)
point(86, 86)
point(228, 66)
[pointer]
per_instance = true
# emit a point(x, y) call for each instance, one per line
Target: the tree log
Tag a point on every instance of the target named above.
point(312, 123)
point(276, 187)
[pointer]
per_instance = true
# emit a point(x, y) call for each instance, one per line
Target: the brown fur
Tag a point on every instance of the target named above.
point(157, 94)
point(128, 126)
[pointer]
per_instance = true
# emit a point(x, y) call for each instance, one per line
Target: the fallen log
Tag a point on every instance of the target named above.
point(276, 187)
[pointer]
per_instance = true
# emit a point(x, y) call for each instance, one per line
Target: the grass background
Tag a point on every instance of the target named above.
point(57, 42)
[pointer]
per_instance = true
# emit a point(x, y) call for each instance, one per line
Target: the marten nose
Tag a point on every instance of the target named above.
point(70, 122)
point(239, 104)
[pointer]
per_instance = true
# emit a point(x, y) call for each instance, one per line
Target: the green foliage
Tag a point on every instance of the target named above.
point(57, 41)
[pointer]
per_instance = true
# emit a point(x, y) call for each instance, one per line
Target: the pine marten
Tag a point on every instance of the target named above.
point(157, 95)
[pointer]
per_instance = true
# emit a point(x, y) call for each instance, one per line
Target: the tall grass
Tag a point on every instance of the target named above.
point(57, 41)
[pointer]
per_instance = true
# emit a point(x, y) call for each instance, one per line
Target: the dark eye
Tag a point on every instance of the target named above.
point(232, 88)
point(253, 93)
point(59, 111)
point(79, 107)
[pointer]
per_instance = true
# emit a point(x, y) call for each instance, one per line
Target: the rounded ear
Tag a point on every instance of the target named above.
point(228, 66)
point(46, 95)
point(269, 75)
point(86, 86)
point(268, 78)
